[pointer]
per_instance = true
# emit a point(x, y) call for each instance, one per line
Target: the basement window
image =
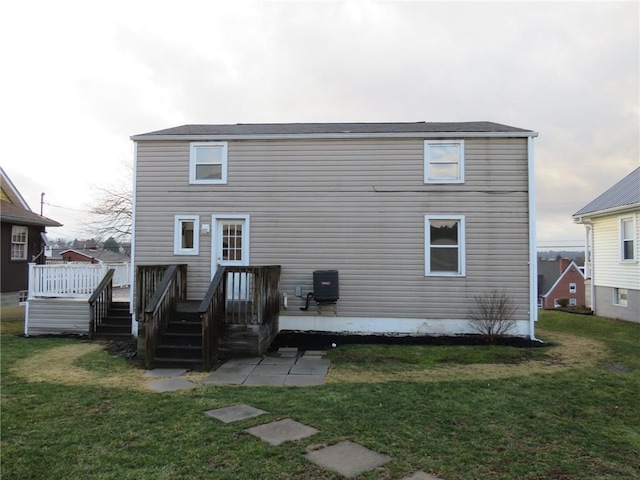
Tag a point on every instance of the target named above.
point(186, 235)
point(620, 297)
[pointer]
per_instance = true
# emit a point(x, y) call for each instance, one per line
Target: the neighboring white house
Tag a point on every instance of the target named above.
point(612, 263)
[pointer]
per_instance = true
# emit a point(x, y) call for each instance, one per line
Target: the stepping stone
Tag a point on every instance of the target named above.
point(165, 373)
point(313, 361)
point(286, 430)
point(347, 458)
point(171, 385)
point(223, 378)
point(234, 413)
point(420, 475)
point(303, 380)
point(265, 380)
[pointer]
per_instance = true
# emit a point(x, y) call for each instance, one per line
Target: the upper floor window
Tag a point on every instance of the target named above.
point(19, 238)
point(444, 245)
point(186, 235)
point(628, 238)
point(444, 161)
point(208, 162)
point(573, 288)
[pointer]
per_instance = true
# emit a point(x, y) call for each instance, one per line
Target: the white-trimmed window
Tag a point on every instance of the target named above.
point(627, 239)
point(208, 162)
point(573, 288)
point(19, 242)
point(444, 161)
point(444, 245)
point(186, 235)
point(573, 302)
point(620, 297)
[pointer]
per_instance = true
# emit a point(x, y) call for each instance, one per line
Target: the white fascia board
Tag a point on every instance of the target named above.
point(586, 218)
point(14, 190)
point(335, 136)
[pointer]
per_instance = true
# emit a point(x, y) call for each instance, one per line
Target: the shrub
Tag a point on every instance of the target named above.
point(493, 315)
point(563, 302)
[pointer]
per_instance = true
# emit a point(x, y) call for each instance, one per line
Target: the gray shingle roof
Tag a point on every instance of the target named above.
point(336, 128)
point(624, 193)
point(20, 216)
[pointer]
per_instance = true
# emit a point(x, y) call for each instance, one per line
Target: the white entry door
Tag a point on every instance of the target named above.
point(231, 248)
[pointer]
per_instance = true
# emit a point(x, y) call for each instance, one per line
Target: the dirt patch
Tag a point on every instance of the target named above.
point(570, 352)
point(58, 365)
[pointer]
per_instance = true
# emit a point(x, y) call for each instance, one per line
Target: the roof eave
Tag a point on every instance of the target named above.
point(585, 217)
point(335, 136)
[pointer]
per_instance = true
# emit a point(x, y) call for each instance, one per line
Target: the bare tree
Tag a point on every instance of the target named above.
point(493, 315)
point(111, 211)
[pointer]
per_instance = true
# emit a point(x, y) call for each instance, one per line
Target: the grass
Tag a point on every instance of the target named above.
point(576, 418)
point(12, 320)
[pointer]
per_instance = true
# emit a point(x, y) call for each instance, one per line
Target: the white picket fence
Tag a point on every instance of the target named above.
point(73, 279)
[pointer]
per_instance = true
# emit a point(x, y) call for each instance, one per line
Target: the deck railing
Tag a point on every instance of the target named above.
point(66, 280)
point(240, 296)
point(162, 306)
point(100, 301)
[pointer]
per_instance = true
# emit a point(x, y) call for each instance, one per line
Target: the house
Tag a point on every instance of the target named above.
point(409, 221)
point(557, 279)
point(22, 241)
point(81, 255)
point(612, 264)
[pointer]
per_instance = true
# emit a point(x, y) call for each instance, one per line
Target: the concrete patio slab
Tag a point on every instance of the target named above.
point(265, 380)
point(278, 361)
point(164, 373)
point(347, 458)
point(303, 380)
point(223, 378)
point(236, 368)
point(235, 413)
point(244, 361)
point(286, 430)
point(315, 361)
point(420, 475)
point(270, 370)
point(171, 385)
point(309, 368)
point(314, 353)
point(287, 352)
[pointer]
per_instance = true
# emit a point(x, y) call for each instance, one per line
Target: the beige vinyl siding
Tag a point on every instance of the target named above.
point(608, 269)
point(357, 206)
point(58, 316)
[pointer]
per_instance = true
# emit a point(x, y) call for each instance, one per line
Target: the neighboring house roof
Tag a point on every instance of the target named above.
point(14, 209)
point(338, 129)
point(624, 194)
point(106, 256)
point(549, 275)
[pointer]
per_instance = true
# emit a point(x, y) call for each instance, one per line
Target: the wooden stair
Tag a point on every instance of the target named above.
point(181, 345)
point(116, 325)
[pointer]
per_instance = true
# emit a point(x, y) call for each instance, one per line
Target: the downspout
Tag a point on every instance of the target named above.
point(533, 253)
point(132, 270)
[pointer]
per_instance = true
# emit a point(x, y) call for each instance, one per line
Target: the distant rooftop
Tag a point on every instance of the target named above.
point(624, 193)
point(276, 129)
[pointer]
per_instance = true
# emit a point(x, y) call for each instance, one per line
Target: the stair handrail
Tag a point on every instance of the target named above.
point(100, 301)
point(212, 311)
point(162, 305)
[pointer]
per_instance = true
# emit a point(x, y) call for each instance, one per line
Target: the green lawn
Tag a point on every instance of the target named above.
point(581, 422)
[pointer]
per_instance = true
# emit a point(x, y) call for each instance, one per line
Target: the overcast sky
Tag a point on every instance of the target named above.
point(81, 77)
